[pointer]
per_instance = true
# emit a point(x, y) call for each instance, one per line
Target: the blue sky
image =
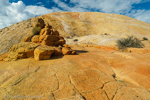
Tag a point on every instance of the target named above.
point(13, 11)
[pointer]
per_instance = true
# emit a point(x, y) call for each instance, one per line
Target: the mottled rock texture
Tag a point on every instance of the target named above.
point(106, 75)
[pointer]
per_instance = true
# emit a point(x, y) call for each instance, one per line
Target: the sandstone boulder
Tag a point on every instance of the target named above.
point(35, 39)
point(47, 30)
point(22, 50)
point(49, 43)
point(67, 51)
point(39, 22)
point(44, 36)
point(58, 52)
point(41, 38)
point(52, 38)
point(60, 42)
point(61, 38)
point(26, 39)
point(54, 32)
point(43, 52)
point(48, 26)
point(49, 40)
point(66, 46)
point(42, 32)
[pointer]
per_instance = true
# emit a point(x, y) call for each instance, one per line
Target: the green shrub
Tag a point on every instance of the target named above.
point(36, 30)
point(131, 41)
point(144, 38)
point(60, 46)
point(68, 37)
point(75, 40)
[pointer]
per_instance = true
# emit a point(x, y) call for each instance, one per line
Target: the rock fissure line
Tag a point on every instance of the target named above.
point(129, 72)
point(28, 67)
point(26, 74)
point(106, 95)
point(116, 92)
point(58, 83)
point(18, 81)
point(37, 69)
point(114, 75)
point(105, 84)
point(75, 87)
point(53, 96)
point(7, 91)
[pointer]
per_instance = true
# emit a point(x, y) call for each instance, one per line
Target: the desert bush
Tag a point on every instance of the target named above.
point(75, 40)
point(68, 37)
point(60, 46)
point(131, 41)
point(145, 38)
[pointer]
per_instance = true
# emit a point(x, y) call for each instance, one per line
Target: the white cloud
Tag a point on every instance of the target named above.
point(11, 13)
point(37, 10)
point(143, 15)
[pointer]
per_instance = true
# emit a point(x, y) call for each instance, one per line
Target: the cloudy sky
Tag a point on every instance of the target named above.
point(13, 11)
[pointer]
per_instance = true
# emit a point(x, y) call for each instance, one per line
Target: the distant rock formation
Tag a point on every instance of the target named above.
point(42, 42)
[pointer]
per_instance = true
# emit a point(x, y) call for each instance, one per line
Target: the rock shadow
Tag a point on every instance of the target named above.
point(56, 57)
point(81, 51)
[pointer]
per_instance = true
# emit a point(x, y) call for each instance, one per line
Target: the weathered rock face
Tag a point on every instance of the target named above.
point(22, 50)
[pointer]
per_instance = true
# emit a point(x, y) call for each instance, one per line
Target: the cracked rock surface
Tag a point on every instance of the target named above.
point(90, 75)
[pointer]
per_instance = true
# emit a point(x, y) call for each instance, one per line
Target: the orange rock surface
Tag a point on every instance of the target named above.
point(93, 74)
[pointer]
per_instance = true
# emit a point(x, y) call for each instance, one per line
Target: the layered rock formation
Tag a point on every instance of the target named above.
point(42, 42)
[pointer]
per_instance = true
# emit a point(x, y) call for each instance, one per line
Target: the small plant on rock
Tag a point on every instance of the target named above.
point(36, 30)
point(68, 37)
point(60, 47)
point(144, 38)
point(75, 40)
point(131, 41)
